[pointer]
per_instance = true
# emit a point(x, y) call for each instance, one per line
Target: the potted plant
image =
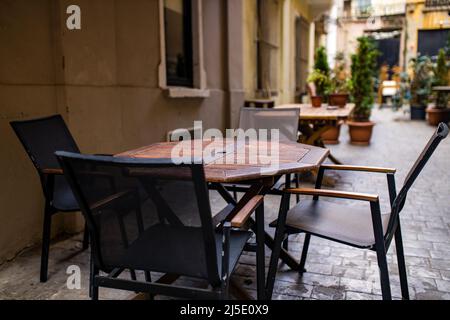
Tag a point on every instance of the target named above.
point(364, 63)
point(338, 96)
point(321, 83)
point(440, 111)
point(403, 94)
point(420, 86)
point(339, 83)
point(320, 77)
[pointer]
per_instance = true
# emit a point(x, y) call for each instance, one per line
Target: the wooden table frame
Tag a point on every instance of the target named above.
point(294, 158)
point(314, 122)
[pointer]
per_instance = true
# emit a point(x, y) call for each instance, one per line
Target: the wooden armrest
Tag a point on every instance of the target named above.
point(334, 194)
point(358, 168)
point(242, 216)
point(53, 171)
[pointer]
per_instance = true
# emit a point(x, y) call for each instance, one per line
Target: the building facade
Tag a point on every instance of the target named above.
point(402, 28)
point(132, 73)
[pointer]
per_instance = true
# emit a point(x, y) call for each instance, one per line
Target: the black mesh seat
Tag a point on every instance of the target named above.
point(335, 221)
point(152, 216)
point(63, 198)
point(141, 254)
point(363, 228)
point(41, 138)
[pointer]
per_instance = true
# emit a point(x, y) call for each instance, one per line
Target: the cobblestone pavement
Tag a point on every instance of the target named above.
point(334, 271)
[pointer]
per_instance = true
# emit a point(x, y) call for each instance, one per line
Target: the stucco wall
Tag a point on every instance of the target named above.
point(288, 11)
point(108, 90)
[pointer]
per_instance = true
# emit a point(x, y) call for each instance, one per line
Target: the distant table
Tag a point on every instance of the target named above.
point(316, 121)
point(294, 158)
point(445, 89)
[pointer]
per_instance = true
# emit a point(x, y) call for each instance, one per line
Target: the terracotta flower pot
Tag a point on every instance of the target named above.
point(436, 116)
point(316, 101)
point(360, 132)
point(332, 136)
point(338, 99)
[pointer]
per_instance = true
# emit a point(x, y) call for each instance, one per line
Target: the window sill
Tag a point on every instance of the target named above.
point(181, 92)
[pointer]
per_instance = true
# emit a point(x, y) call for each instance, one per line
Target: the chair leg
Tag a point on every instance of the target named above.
point(384, 274)
point(297, 185)
point(93, 272)
point(286, 243)
point(260, 255)
point(301, 268)
point(133, 275)
point(94, 296)
point(148, 278)
point(380, 248)
point(46, 234)
point(401, 263)
point(85, 237)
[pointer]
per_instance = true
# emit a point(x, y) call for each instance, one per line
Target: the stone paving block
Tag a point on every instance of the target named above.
point(353, 273)
point(421, 272)
point(433, 295)
point(443, 285)
point(320, 268)
point(319, 280)
point(441, 264)
point(356, 285)
point(416, 252)
point(351, 295)
point(437, 254)
point(328, 293)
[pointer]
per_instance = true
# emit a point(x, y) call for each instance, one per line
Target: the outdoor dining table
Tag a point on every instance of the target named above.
point(229, 164)
point(316, 121)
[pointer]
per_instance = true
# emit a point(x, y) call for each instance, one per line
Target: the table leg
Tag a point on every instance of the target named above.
point(313, 137)
point(277, 242)
point(263, 237)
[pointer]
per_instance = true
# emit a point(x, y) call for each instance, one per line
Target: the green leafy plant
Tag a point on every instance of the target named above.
point(403, 95)
point(321, 73)
point(421, 81)
point(321, 61)
point(441, 79)
point(321, 81)
point(364, 63)
point(339, 81)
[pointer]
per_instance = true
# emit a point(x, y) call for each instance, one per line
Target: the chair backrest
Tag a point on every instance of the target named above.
point(42, 137)
point(145, 214)
point(399, 202)
point(284, 119)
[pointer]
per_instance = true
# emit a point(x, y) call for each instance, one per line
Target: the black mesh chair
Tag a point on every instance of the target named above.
point(364, 229)
point(152, 216)
point(41, 138)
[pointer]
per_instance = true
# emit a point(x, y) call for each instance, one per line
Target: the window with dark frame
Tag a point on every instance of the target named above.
point(179, 40)
point(267, 47)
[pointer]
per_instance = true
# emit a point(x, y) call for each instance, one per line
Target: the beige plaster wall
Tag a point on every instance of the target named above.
point(289, 10)
point(107, 91)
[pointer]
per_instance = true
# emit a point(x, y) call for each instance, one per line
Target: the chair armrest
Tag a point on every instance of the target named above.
point(334, 194)
point(58, 172)
point(359, 168)
point(242, 216)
